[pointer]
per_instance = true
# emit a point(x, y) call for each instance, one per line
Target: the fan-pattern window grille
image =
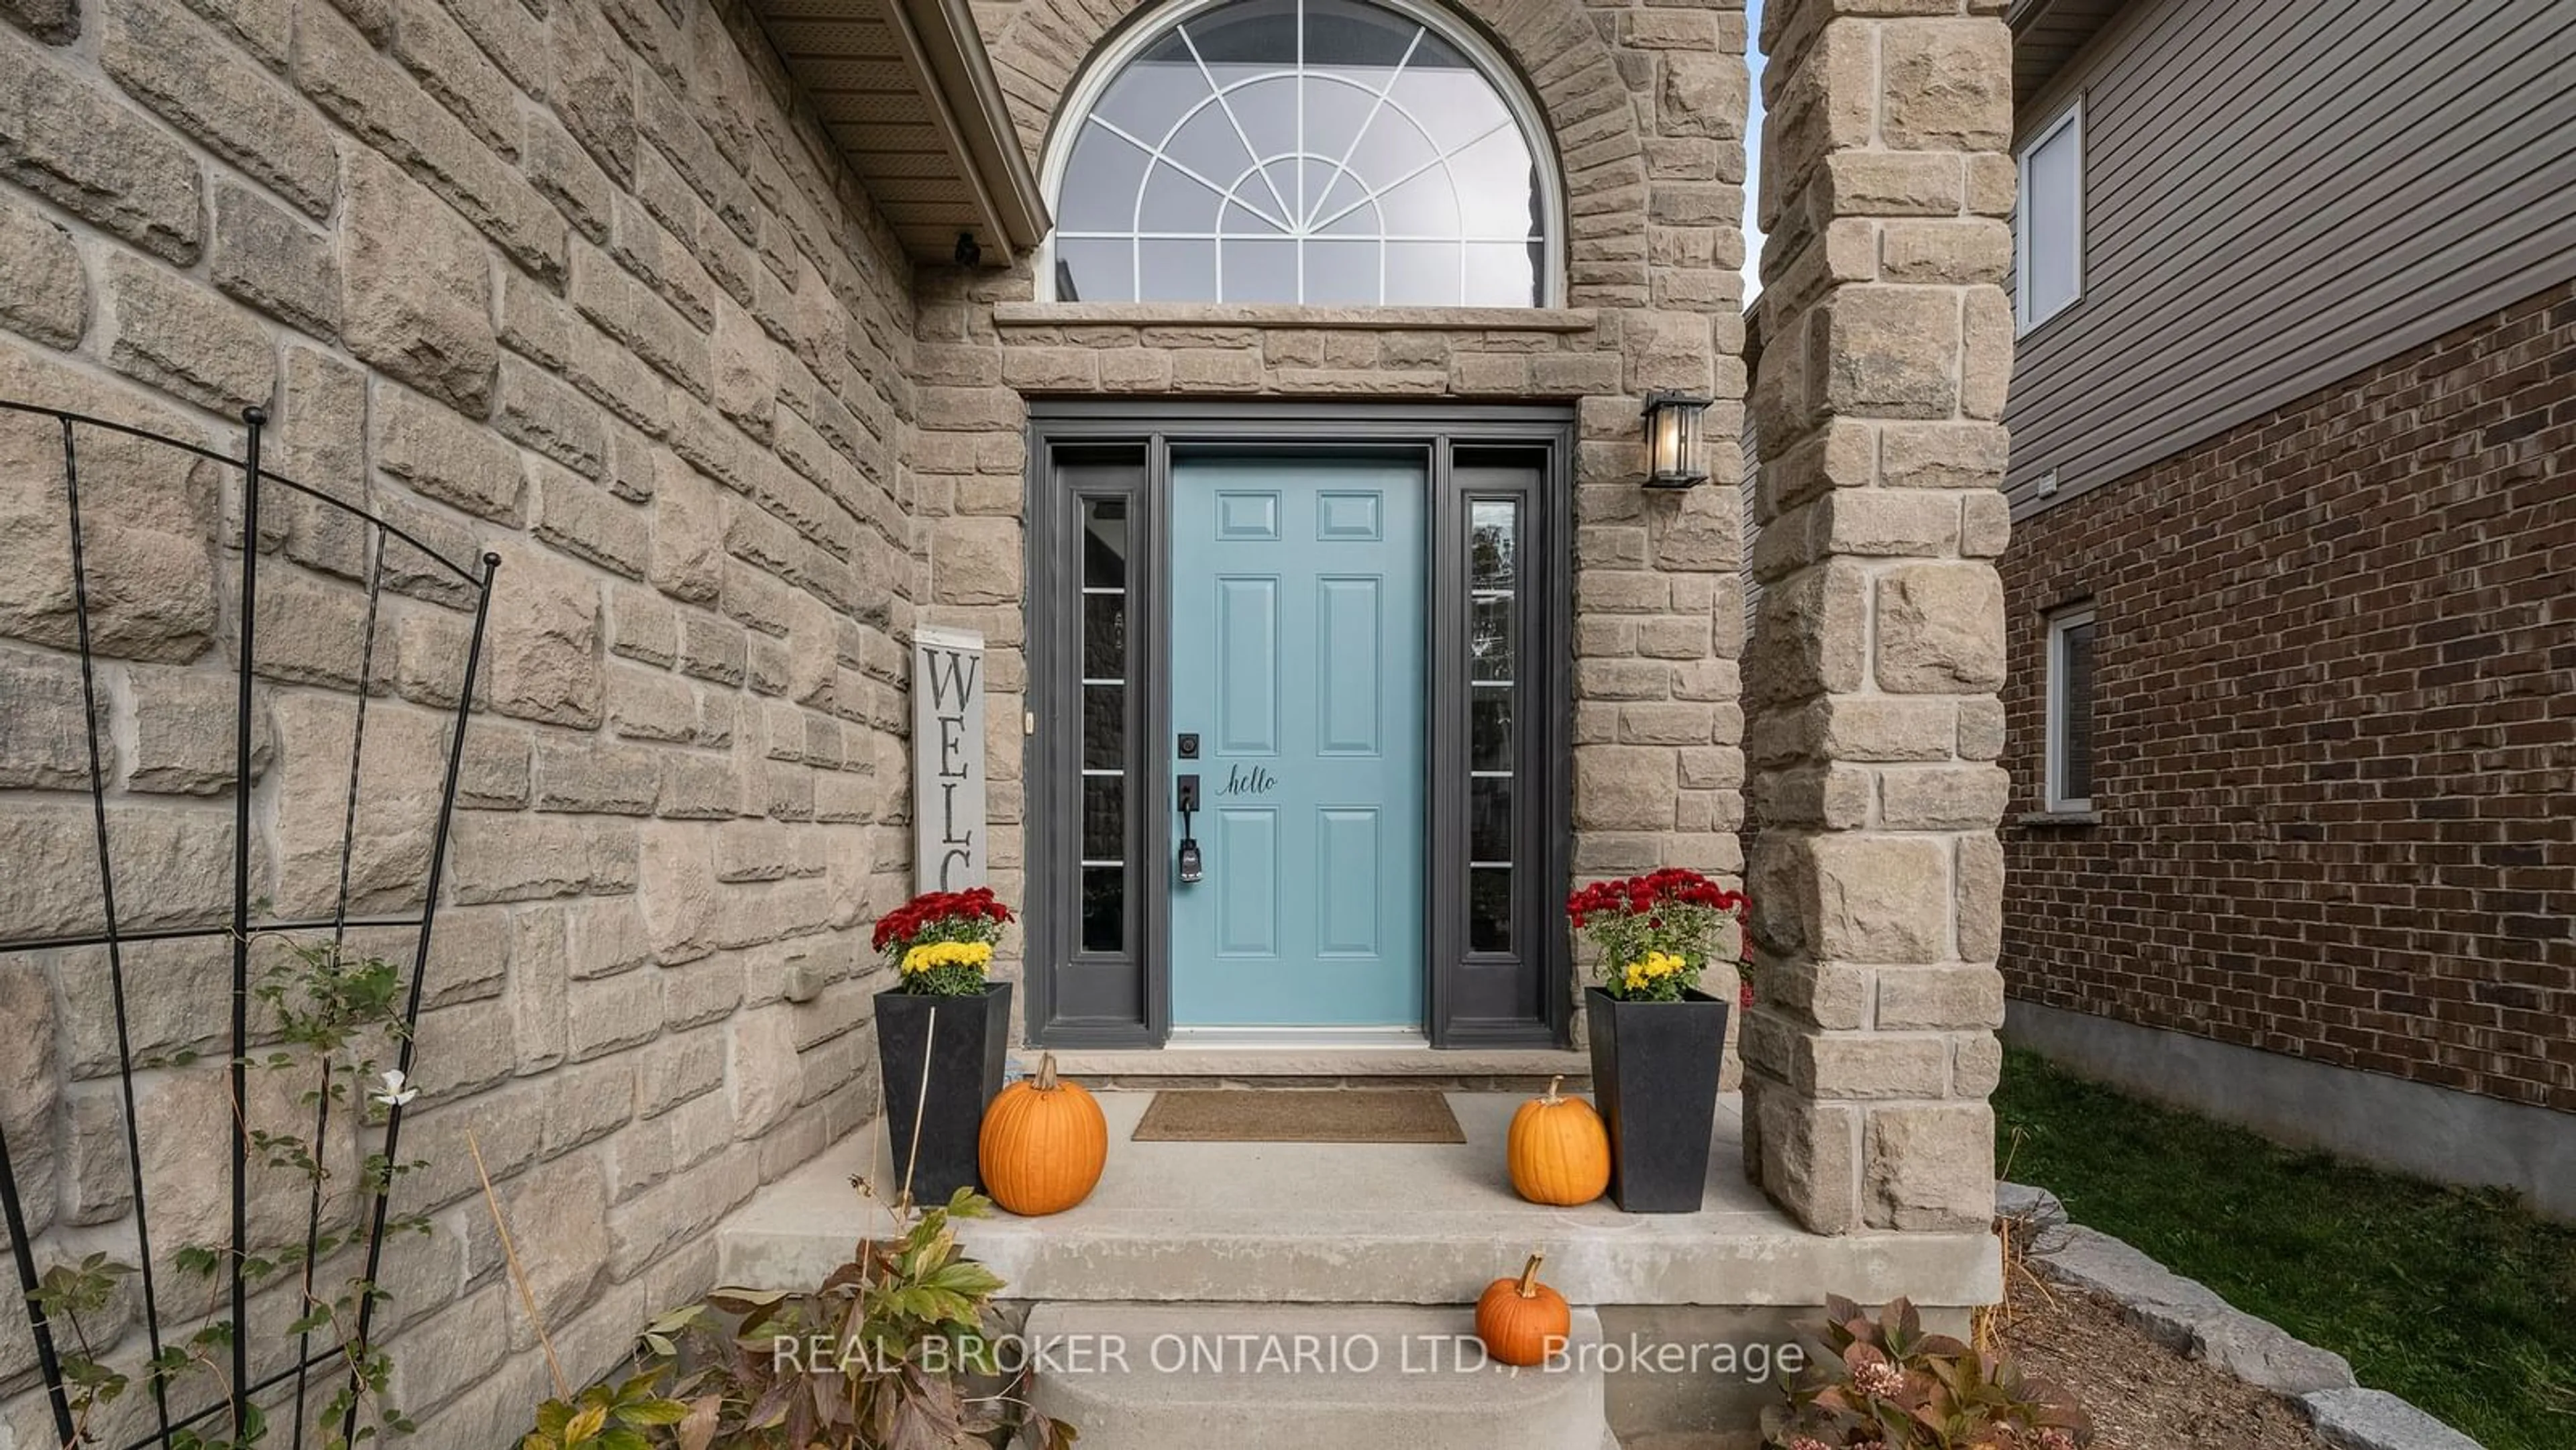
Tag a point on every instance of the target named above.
point(1324, 152)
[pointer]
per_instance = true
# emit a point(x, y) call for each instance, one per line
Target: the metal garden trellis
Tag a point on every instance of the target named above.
point(240, 927)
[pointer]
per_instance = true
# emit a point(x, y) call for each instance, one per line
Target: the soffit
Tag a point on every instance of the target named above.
point(2047, 34)
point(905, 89)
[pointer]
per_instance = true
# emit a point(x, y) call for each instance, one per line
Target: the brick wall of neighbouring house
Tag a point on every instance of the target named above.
point(2335, 729)
point(574, 282)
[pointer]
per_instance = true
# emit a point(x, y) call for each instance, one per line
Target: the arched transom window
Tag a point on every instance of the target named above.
point(1326, 152)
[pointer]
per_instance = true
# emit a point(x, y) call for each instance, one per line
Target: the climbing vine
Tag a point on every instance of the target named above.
point(333, 1015)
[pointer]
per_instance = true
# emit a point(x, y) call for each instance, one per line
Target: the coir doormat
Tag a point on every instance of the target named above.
point(1216, 1115)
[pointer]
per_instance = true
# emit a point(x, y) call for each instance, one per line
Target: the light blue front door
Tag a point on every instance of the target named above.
point(1297, 660)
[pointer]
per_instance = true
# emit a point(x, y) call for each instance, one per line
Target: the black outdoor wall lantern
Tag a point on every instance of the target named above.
point(1676, 448)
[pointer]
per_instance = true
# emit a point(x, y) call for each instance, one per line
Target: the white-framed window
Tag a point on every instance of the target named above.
point(2048, 221)
point(2070, 710)
point(1314, 152)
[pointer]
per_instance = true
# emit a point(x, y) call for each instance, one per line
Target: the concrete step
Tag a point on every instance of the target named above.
point(1303, 1376)
point(1338, 1223)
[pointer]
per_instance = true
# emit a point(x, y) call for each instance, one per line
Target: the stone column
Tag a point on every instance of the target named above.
point(1879, 643)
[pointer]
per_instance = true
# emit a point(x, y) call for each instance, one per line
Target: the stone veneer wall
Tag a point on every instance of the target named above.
point(1647, 105)
point(1879, 645)
point(570, 280)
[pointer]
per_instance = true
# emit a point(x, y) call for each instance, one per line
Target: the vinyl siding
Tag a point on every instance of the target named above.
point(2280, 195)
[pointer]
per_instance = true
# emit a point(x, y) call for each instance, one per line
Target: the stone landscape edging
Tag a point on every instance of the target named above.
point(2191, 1319)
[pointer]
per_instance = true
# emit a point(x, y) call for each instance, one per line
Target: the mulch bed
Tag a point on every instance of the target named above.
point(2141, 1395)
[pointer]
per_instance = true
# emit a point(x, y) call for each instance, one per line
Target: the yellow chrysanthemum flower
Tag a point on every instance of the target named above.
point(947, 954)
point(1653, 967)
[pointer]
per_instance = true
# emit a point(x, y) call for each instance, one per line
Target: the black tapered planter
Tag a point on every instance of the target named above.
point(1654, 1077)
point(965, 1071)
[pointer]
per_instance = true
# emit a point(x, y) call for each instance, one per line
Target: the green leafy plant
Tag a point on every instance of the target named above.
point(69, 1296)
point(331, 1011)
point(617, 1417)
point(1885, 1384)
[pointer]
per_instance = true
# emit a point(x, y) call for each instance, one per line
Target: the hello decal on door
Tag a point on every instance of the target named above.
point(1242, 782)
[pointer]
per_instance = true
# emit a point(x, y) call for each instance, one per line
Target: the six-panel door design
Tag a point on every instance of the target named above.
point(1297, 660)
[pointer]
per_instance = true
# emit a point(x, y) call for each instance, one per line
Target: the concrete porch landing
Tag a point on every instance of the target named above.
point(1364, 1223)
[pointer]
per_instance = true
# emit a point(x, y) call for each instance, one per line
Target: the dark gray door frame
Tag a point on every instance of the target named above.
point(1097, 449)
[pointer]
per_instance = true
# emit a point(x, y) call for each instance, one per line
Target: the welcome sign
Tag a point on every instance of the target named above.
point(949, 839)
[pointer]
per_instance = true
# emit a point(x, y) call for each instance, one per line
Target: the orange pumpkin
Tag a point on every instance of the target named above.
point(1043, 1144)
point(1523, 1321)
point(1559, 1151)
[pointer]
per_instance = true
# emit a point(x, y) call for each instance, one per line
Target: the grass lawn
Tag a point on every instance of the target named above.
point(2459, 1300)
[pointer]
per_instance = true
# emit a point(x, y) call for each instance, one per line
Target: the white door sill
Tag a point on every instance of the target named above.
point(1289, 1059)
point(1296, 1038)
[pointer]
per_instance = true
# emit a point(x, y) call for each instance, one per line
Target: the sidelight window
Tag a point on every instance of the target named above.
point(1105, 785)
point(1493, 683)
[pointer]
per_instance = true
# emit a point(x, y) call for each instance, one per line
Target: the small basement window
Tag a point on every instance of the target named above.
point(2070, 711)
point(2048, 221)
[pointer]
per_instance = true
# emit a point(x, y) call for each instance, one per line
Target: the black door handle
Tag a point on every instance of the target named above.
point(1192, 866)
